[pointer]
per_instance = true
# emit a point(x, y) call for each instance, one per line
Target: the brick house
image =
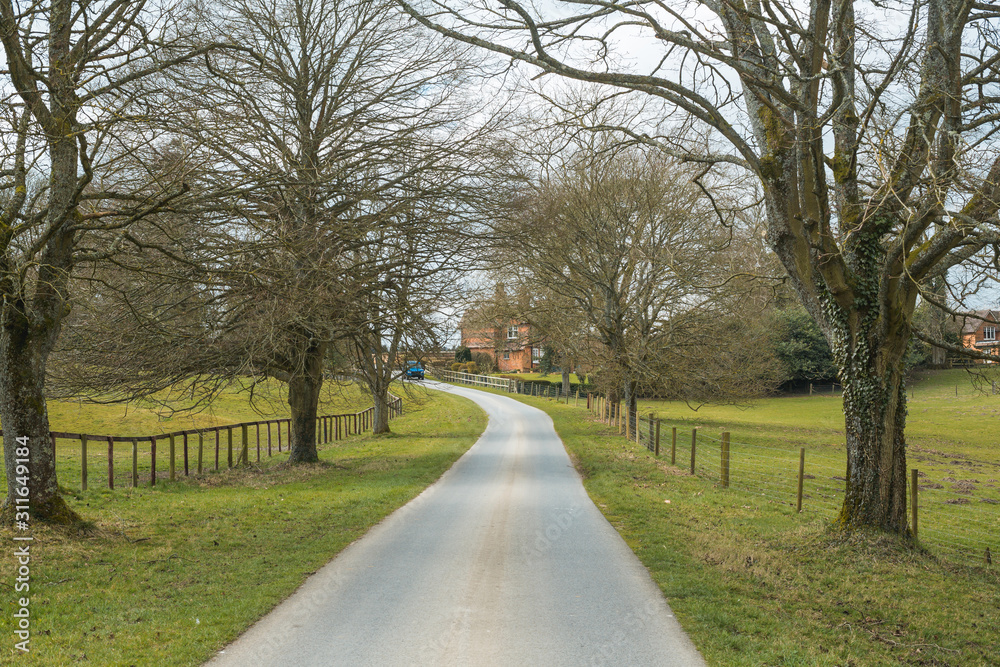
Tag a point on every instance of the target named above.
point(508, 343)
point(980, 333)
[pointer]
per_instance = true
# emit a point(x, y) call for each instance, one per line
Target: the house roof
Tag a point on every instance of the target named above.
point(971, 324)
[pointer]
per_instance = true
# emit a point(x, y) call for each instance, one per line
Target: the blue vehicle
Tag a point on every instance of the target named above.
point(414, 370)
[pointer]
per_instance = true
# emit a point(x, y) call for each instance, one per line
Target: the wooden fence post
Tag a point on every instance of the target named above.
point(218, 436)
point(173, 452)
point(673, 447)
point(657, 453)
point(229, 445)
point(725, 459)
point(135, 462)
point(111, 460)
point(277, 427)
point(802, 476)
point(186, 473)
point(652, 440)
point(245, 452)
point(201, 449)
point(694, 440)
point(913, 501)
point(83, 458)
point(258, 442)
point(152, 460)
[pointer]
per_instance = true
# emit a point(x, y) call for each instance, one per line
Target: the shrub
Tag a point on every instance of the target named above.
point(484, 361)
point(472, 367)
point(457, 367)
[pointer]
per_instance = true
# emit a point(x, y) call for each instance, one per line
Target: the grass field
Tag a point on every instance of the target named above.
point(952, 442)
point(268, 401)
point(142, 581)
point(754, 582)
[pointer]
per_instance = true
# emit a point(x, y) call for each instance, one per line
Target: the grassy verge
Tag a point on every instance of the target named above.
point(143, 583)
point(755, 583)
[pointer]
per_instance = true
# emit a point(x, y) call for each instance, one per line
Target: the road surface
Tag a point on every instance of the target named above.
point(504, 561)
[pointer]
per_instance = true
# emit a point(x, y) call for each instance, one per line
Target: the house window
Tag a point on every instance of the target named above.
point(989, 333)
point(512, 333)
point(506, 355)
point(536, 353)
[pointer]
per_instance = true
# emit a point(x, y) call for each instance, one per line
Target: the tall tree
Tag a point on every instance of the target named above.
point(871, 128)
point(624, 242)
point(70, 67)
point(337, 147)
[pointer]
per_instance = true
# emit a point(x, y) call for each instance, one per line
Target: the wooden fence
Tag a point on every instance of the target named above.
point(187, 449)
point(477, 380)
point(951, 522)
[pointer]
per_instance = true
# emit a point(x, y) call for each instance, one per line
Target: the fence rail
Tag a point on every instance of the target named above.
point(511, 385)
point(476, 380)
point(187, 448)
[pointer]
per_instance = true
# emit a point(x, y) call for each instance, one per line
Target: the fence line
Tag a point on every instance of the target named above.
point(329, 428)
point(812, 483)
point(949, 522)
point(511, 385)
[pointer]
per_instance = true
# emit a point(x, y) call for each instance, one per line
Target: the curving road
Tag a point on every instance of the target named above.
point(504, 561)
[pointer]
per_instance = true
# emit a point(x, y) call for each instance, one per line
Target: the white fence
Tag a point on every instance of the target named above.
point(478, 380)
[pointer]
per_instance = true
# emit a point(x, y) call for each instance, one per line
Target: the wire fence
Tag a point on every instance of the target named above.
point(165, 456)
point(960, 522)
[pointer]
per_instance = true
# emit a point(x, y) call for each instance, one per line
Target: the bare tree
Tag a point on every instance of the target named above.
point(631, 251)
point(69, 69)
point(871, 128)
point(337, 161)
point(400, 315)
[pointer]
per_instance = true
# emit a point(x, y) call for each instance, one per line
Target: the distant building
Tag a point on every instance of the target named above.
point(979, 333)
point(508, 343)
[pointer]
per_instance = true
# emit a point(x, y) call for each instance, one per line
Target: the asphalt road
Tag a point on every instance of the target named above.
point(504, 561)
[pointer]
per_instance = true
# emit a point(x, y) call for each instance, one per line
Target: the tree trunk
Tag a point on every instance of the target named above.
point(23, 412)
point(565, 380)
point(380, 414)
point(30, 329)
point(304, 385)
point(875, 417)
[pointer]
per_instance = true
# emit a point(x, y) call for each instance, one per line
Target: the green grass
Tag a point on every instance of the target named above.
point(143, 583)
point(754, 582)
point(951, 442)
point(269, 401)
